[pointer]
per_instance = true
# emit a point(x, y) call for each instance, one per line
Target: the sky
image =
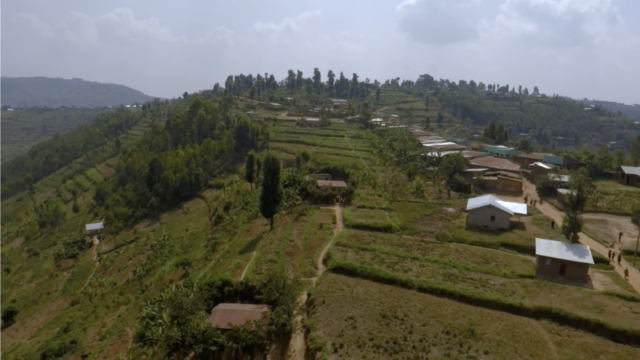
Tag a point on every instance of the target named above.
point(578, 48)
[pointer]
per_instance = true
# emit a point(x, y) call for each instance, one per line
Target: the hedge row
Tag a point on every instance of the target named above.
point(561, 317)
point(435, 260)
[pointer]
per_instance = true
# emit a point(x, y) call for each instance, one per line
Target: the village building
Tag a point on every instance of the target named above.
point(502, 181)
point(94, 228)
point(394, 119)
point(561, 193)
point(560, 181)
point(443, 146)
point(492, 213)
point(472, 173)
point(331, 184)
point(628, 175)
point(339, 104)
point(494, 163)
point(538, 169)
point(563, 260)
point(525, 160)
point(471, 154)
point(227, 315)
point(501, 151)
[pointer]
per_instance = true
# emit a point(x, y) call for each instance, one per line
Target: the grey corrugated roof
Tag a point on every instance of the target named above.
point(564, 250)
point(95, 226)
point(631, 170)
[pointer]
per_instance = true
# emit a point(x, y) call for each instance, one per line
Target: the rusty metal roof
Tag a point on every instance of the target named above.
point(331, 184)
point(228, 315)
point(493, 162)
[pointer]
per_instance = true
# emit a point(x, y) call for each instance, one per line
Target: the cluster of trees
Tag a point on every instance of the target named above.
point(50, 213)
point(175, 323)
point(295, 83)
point(175, 162)
point(47, 157)
point(496, 133)
point(71, 246)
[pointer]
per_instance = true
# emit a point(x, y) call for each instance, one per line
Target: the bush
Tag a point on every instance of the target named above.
point(9, 315)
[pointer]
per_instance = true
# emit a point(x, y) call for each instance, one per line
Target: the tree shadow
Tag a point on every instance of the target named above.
point(251, 245)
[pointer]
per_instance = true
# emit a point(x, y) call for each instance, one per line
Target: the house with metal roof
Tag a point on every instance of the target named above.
point(563, 260)
point(227, 315)
point(489, 212)
point(494, 163)
point(628, 175)
point(94, 228)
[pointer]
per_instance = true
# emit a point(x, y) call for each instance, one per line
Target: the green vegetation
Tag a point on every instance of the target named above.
point(188, 228)
point(24, 128)
point(56, 92)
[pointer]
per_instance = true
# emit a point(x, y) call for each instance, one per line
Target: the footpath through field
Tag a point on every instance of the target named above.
point(297, 347)
point(556, 215)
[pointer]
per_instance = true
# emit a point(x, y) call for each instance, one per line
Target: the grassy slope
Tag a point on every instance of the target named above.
point(55, 303)
point(23, 128)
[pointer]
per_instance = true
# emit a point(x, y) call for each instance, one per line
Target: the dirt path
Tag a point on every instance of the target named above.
point(607, 227)
point(96, 242)
point(244, 272)
point(556, 215)
point(297, 347)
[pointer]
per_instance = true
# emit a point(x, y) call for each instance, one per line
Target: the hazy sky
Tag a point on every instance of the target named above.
point(578, 48)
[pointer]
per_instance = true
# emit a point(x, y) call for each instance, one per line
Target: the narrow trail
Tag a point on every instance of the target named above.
point(244, 272)
point(556, 215)
point(297, 346)
point(96, 242)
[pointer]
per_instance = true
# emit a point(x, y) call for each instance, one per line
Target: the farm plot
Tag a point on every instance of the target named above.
point(355, 318)
point(369, 219)
point(489, 282)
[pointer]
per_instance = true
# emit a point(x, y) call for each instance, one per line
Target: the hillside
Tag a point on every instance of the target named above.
point(629, 110)
point(56, 92)
point(24, 128)
point(184, 231)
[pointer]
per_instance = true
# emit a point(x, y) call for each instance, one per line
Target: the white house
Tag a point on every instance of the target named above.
point(490, 212)
point(94, 228)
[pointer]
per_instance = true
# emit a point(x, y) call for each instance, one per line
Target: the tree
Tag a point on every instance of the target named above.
point(271, 192)
point(571, 223)
point(524, 145)
point(252, 93)
point(377, 95)
point(536, 91)
point(331, 82)
point(250, 168)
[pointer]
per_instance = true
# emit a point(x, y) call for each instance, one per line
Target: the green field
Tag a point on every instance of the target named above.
point(23, 128)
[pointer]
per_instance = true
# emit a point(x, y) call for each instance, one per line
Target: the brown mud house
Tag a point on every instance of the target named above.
point(628, 175)
point(563, 260)
point(502, 181)
point(492, 213)
point(494, 163)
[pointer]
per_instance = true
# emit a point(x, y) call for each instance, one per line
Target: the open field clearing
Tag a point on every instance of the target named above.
point(354, 318)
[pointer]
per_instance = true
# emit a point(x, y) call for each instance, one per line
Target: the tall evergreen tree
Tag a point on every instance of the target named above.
point(271, 193)
point(250, 168)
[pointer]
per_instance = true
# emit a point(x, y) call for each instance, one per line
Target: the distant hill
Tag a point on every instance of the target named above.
point(55, 92)
point(629, 110)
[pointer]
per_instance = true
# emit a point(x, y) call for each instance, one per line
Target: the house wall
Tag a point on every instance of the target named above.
point(510, 185)
point(625, 179)
point(537, 171)
point(549, 267)
point(482, 217)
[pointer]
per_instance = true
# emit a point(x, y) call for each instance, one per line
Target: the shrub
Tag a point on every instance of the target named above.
point(9, 315)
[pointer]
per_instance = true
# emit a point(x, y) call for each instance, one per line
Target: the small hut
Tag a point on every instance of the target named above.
point(563, 260)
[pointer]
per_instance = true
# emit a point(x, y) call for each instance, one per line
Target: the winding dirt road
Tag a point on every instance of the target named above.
point(556, 215)
point(297, 346)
